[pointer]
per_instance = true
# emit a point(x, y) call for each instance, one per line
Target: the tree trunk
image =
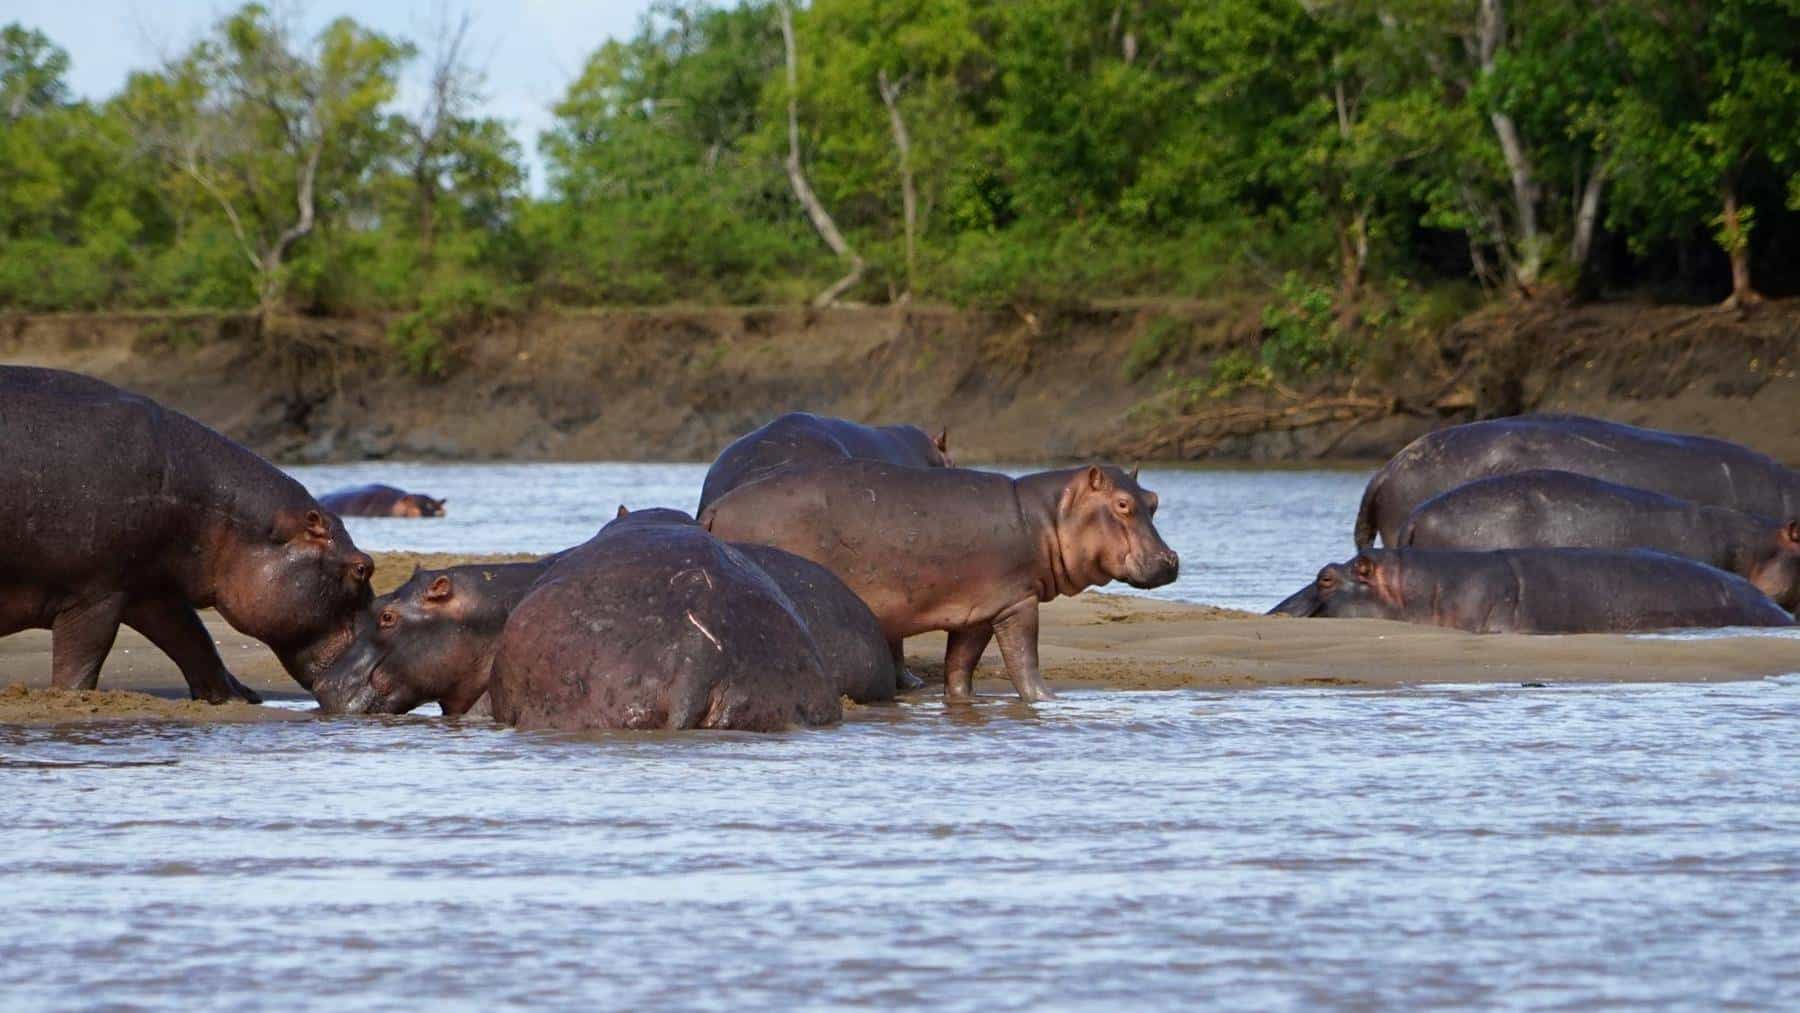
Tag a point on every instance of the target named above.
point(909, 194)
point(1353, 259)
point(1734, 235)
point(1530, 261)
point(1587, 216)
point(427, 214)
point(803, 190)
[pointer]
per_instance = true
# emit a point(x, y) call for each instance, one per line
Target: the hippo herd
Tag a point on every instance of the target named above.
point(1566, 524)
point(820, 544)
point(817, 547)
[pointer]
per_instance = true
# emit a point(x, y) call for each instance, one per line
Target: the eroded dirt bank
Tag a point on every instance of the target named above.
point(1093, 641)
point(1133, 380)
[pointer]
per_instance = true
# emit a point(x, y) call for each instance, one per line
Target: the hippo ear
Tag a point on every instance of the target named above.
point(1096, 479)
point(622, 512)
point(942, 440)
point(1363, 569)
point(1133, 472)
point(1790, 534)
point(439, 589)
point(315, 525)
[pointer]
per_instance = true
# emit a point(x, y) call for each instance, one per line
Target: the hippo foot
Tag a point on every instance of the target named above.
point(907, 682)
point(232, 690)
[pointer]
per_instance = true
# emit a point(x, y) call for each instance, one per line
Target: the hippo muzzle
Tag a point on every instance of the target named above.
point(1155, 569)
point(1303, 603)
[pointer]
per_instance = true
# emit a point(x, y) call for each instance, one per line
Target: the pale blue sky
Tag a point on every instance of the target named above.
point(530, 49)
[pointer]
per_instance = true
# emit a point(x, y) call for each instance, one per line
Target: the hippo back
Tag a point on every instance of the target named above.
point(850, 640)
point(801, 438)
point(651, 625)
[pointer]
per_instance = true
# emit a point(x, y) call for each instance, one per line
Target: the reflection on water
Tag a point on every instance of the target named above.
point(1247, 538)
point(1568, 846)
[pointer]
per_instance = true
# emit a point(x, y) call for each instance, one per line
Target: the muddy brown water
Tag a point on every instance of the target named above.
point(1486, 845)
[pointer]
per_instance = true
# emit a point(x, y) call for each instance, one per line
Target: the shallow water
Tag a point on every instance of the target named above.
point(1247, 539)
point(1496, 845)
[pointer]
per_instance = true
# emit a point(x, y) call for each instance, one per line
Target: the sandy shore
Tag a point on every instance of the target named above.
point(1091, 641)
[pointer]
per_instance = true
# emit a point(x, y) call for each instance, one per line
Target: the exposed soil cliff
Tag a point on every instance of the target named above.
point(1023, 385)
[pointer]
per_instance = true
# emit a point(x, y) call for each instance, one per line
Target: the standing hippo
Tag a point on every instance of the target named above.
point(1695, 468)
point(381, 501)
point(970, 552)
point(119, 510)
point(433, 638)
point(801, 438)
point(653, 623)
point(1534, 591)
point(1548, 509)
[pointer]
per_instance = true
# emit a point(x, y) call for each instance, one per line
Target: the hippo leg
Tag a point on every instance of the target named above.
point(961, 655)
point(1017, 631)
point(175, 628)
point(904, 679)
point(80, 638)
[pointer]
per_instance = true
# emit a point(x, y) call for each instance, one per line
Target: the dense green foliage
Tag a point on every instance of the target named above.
point(968, 150)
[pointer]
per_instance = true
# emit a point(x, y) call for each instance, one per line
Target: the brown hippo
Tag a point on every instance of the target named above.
point(119, 510)
point(1695, 468)
point(970, 552)
point(433, 638)
point(1549, 509)
point(1534, 591)
point(801, 438)
point(381, 501)
point(653, 623)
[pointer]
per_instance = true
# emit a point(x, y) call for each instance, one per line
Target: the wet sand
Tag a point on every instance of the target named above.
point(1094, 641)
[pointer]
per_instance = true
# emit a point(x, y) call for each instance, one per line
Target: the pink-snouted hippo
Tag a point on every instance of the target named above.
point(433, 638)
point(1534, 591)
point(656, 624)
point(969, 552)
point(119, 510)
point(381, 501)
point(801, 438)
point(1560, 509)
point(1699, 469)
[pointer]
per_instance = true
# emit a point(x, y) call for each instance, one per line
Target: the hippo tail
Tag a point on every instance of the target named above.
point(1366, 527)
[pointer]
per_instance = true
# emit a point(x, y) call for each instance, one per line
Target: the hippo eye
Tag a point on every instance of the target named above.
point(1123, 505)
point(388, 618)
point(359, 571)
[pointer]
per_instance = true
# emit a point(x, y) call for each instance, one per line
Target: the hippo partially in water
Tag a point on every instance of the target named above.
point(801, 438)
point(433, 638)
point(1549, 509)
point(1695, 468)
point(1534, 591)
point(381, 501)
point(654, 623)
point(970, 552)
point(119, 510)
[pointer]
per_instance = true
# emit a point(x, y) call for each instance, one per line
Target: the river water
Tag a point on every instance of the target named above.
point(1486, 846)
point(1247, 538)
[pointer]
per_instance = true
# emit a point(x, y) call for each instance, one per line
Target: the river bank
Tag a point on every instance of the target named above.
point(1139, 380)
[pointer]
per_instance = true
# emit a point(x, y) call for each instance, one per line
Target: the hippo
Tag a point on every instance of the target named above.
point(1534, 591)
point(430, 639)
point(654, 623)
point(1548, 509)
point(969, 552)
point(433, 638)
point(120, 510)
point(1699, 469)
point(381, 501)
point(801, 438)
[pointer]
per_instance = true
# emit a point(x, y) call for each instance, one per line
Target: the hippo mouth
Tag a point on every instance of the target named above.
point(1156, 571)
point(1303, 603)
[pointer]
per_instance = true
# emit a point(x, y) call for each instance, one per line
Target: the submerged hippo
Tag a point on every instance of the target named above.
point(970, 552)
point(433, 638)
point(653, 623)
point(801, 438)
point(1695, 468)
point(1547, 509)
point(381, 501)
point(1534, 591)
point(119, 510)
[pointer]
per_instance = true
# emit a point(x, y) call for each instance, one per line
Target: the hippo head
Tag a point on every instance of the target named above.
point(1776, 571)
point(1363, 588)
point(430, 639)
point(650, 516)
point(297, 586)
point(415, 504)
point(1105, 530)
